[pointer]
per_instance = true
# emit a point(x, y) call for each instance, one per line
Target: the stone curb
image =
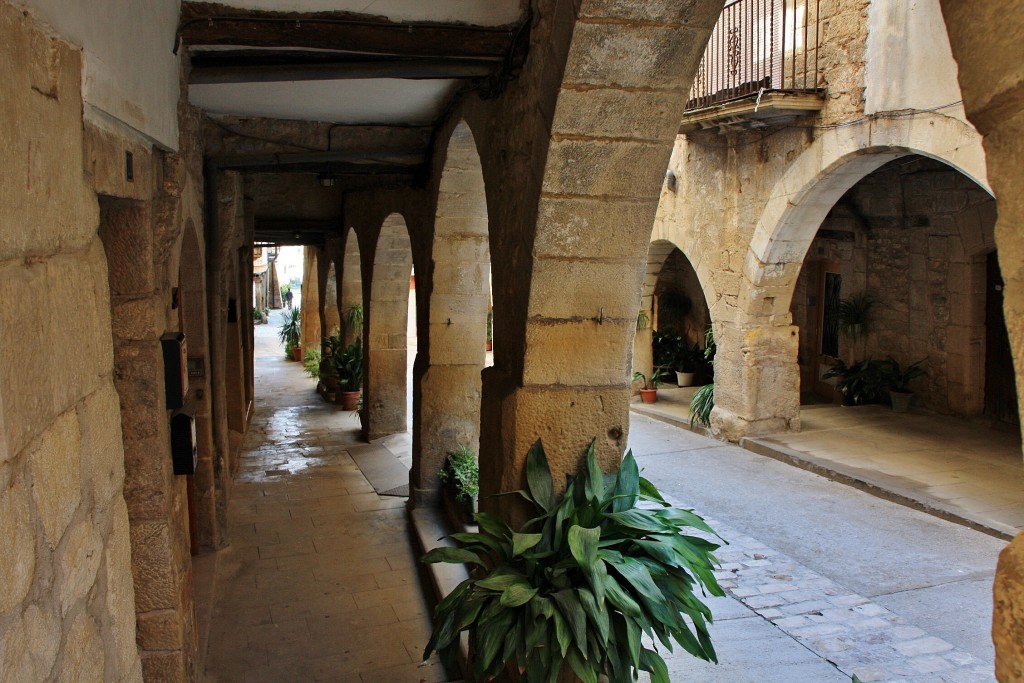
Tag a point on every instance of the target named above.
point(895, 494)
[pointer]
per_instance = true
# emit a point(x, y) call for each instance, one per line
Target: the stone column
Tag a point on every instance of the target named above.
point(311, 331)
point(757, 380)
point(982, 33)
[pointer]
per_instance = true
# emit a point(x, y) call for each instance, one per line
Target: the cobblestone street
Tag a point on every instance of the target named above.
point(824, 581)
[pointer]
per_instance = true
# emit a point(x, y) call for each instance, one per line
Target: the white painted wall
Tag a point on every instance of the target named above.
point(909, 62)
point(130, 73)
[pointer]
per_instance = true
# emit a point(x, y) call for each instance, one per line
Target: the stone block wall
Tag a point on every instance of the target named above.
point(914, 234)
point(66, 608)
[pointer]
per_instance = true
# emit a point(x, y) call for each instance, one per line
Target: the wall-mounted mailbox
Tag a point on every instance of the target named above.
point(175, 369)
point(184, 451)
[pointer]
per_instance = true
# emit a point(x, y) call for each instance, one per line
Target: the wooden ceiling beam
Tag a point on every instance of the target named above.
point(216, 24)
point(253, 71)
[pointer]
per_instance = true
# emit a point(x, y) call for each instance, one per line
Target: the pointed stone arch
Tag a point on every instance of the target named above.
point(350, 290)
point(386, 321)
point(628, 69)
point(459, 301)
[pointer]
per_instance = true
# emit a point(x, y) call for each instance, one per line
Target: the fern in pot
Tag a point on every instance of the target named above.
point(573, 591)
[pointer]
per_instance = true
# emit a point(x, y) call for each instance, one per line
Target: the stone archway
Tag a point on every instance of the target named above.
point(386, 317)
point(561, 368)
point(757, 343)
point(458, 313)
point(824, 172)
point(350, 292)
point(912, 236)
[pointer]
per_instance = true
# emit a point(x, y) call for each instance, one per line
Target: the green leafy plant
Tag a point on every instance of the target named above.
point(348, 365)
point(710, 348)
point(688, 356)
point(257, 314)
point(354, 318)
point(701, 404)
point(311, 363)
point(291, 327)
point(579, 585)
point(657, 377)
point(664, 348)
point(490, 326)
point(899, 378)
point(860, 383)
point(856, 315)
point(643, 320)
point(463, 470)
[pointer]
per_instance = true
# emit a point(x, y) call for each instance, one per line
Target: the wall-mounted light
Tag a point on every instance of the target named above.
point(670, 180)
point(326, 179)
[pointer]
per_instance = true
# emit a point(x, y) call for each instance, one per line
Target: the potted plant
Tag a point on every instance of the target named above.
point(573, 591)
point(489, 342)
point(461, 475)
point(289, 331)
point(856, 315)
point(701, 405)
point(687, 357)
point(354, 318)
point(348, 366)
point(899, 380)
point(861, 383)
point(649, 390)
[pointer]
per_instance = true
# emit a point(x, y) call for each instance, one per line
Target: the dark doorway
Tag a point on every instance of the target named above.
point(1000, 389)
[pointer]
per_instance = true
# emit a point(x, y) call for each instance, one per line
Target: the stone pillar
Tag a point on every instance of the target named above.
point(161, 564)
point(387, 322)
point(311, 331)
point(982, 33)
point(350, 288)
point(757, 380)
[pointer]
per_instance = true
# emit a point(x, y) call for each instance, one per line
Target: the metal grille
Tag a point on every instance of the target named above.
point(758, 44)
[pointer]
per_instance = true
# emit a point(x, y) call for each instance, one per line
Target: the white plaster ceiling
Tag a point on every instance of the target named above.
point(360, 100)
point(477, 12)
point(375, 100)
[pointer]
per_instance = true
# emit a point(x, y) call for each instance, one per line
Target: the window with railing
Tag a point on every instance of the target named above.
point(758, 45)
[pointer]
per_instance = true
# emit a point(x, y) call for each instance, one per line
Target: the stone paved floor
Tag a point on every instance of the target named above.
point(967, 471)
point(320, 583)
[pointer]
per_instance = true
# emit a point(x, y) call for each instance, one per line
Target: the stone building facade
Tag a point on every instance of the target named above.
point(130, 213)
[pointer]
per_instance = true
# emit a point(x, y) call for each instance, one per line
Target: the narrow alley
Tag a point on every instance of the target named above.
point(319, 583)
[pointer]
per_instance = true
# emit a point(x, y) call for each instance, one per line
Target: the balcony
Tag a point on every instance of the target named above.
point(760, 67)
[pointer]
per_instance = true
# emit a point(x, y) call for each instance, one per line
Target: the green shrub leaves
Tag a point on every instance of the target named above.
point(580, 583)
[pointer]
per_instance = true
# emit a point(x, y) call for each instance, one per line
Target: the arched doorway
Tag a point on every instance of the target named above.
point(913, 243)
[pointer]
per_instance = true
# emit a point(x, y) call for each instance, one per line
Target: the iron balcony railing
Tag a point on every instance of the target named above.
point(758, 45)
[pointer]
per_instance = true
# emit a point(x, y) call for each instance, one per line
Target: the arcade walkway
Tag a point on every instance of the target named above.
point(320, 583)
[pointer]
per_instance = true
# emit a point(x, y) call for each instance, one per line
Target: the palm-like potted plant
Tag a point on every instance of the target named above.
point(649, 387)
point(348, 366)
point(289, 331)
point(575, 590)
point(860, 383)
point(899, 380)
point(686, 360)
point(856, 315)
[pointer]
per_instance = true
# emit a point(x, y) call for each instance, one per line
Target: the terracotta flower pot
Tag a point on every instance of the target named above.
point(349, 399)
point(296, 353)
point(648, 395)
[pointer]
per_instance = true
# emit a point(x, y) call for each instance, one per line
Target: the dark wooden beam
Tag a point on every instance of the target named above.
point(215, 24)
point(386, 161)
point(252, 71)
